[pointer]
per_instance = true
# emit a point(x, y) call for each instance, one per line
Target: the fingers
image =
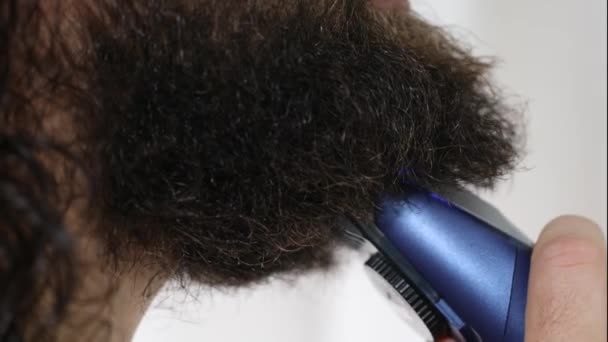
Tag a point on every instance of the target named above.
point(567, 288)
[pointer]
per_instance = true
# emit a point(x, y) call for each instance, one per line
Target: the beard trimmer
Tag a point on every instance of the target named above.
point(462, 275)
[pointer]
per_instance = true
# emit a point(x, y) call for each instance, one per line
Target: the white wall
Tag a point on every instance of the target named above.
point(553, 54)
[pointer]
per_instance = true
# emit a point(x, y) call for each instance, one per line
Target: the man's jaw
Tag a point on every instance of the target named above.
point(231, 161)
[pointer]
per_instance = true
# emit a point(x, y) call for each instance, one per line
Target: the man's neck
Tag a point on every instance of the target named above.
point(109, 304)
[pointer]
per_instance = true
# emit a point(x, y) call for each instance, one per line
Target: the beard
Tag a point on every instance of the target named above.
point(227, 139)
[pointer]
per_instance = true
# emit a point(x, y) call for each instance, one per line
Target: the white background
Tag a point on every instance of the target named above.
point(553, 56)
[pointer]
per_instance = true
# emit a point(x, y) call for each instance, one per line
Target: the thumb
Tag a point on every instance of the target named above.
point(567, 287)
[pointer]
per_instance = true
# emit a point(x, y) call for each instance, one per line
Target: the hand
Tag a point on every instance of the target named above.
point(567, 289)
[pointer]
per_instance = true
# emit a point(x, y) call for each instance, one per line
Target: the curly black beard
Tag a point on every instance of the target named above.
point(222, 141)
point(233, 137)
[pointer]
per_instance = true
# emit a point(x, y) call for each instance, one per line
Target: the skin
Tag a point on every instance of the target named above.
point(567, 293)
point(567, 289)
point(567, 297)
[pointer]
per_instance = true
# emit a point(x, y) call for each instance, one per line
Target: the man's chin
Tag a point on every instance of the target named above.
point(232, 137)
